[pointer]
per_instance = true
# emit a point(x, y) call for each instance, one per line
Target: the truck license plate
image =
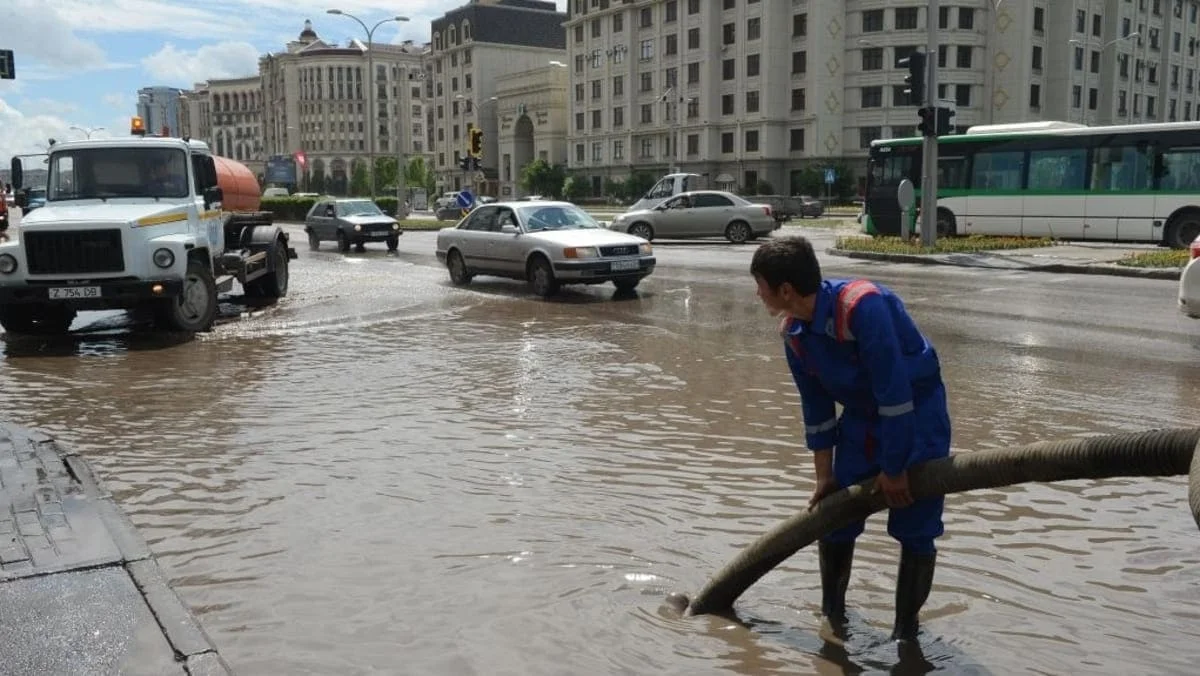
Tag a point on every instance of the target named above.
point(625, 265)
point(71, 292)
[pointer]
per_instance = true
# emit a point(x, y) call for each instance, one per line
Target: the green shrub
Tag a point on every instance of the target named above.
point(1156, 259)
point(969, 244)
point(293, 208)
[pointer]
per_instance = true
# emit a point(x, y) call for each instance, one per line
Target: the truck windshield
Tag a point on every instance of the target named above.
point(102, 173)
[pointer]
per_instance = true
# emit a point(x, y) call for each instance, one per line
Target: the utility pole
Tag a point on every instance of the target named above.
point(929, 141)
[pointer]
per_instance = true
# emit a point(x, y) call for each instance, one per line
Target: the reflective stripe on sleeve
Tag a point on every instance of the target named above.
point(825, 426)
point(898, 409)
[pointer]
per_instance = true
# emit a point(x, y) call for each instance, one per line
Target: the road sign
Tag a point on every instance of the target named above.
point(8, 66)
point(906, 195)
point(830, 177)
point(465, 198)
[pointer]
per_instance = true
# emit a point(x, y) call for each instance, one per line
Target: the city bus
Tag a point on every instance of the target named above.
point(1127, 183)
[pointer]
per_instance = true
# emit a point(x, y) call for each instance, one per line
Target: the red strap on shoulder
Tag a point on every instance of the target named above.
point(848, 299)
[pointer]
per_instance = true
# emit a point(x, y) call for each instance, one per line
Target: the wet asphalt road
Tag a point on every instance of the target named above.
point(386, 473)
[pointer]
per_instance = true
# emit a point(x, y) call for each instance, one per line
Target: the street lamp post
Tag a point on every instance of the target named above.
point(1085, 99)
point(87, 131)
point(371, 119)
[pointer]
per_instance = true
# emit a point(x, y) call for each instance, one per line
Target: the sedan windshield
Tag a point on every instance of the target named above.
point(555, 217)
point(358, 208)
point(103, 173)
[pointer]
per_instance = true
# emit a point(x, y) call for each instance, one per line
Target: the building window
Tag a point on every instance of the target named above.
point(966, 18)
point(751, 140)
point(798, 99)
point(727, 143)
point(796, 140)
point(1035, 96)
point(868, 134)
point(752, 103)
point(754, 28)
point(799, 62)
point(872, 97)
point(872, 58)
point(647, 50)
point(752, 65)
point(872, 21)
point(906, 18)
point(799, 25)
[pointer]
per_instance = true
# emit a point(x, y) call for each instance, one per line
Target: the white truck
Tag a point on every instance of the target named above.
point(139, 223)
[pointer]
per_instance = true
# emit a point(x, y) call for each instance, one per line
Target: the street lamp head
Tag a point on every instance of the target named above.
point(1132, 35)
point(333, 11)
point(399, 18)
point(558, 64)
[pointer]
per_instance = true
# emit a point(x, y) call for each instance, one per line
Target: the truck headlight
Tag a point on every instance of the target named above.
point(163, 258)
point(8, 264)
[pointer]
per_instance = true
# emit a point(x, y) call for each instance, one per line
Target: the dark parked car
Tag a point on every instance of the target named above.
point(350, 221)
point(809, 206)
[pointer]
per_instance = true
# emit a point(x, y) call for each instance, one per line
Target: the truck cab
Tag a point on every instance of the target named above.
point(667, 187)
point(136, 222)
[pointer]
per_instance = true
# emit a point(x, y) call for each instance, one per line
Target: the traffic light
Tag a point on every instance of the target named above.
point(945, 120)
point(475, 163)
point(928, 125)
point(915, 79)
point(476, 140)
point(464, 163)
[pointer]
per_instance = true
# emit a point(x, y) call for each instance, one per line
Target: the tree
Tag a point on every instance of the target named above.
point(360, 182)
point(316, 183)
point(614, 188)
point(542, 178)
point(763, 188)
point(576, 188)
point(638, 184)
point(386, 174)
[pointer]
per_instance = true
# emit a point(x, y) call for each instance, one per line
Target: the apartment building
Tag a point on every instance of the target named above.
point(317, 105)
point(755, 90)
point(159, 109)
point(473, 47)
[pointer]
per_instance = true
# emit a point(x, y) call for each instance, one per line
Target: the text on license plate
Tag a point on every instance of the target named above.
point(626, 265)
point(69, 292)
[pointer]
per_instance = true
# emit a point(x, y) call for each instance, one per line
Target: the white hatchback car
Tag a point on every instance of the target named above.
point(1189, 284)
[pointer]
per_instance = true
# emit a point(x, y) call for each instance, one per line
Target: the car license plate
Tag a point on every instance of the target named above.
point(71, 292)
point(626, 265)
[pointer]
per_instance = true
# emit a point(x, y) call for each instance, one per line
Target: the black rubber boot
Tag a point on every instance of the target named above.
point(912, 590)
point(836, 559)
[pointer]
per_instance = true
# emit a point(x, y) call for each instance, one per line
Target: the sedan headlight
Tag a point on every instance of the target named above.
point(581, 252)
point(163, 258)
point(646, 248)
point(8, 264)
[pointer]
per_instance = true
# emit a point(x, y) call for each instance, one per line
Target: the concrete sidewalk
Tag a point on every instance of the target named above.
point(1075, 258)
point(80, 592)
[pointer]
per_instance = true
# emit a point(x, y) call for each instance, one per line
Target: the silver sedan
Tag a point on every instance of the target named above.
point(700, 213)
point(547, 243)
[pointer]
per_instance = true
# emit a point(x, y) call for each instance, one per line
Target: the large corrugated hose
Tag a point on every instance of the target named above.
point(1157, 453)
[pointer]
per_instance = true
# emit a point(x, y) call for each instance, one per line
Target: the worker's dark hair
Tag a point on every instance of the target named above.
point(788, 259)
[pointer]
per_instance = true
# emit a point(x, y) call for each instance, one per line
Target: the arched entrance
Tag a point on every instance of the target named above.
point(339, 180)
point(522, 147)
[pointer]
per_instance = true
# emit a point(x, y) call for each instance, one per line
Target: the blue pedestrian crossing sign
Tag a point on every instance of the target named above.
point(465, 198)
point(830, 177)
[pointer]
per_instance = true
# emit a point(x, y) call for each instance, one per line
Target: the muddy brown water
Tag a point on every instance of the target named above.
point(387, 475)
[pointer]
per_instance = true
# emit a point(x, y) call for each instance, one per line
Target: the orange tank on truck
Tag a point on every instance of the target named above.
point(238, 184)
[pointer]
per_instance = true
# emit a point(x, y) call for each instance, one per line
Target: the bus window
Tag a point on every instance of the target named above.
point(952, 172)
point(1120, 169)
point(1054, 170)
point(1180, 170)
point(998, 170)
point(896, 168)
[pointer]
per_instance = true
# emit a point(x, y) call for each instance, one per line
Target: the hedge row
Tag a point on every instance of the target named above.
point(296, 208)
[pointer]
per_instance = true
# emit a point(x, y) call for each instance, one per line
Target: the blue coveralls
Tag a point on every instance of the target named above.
point(863, 351)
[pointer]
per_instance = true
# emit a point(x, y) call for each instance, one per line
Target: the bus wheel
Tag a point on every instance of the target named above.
point(1182, 230)
point(945, 224)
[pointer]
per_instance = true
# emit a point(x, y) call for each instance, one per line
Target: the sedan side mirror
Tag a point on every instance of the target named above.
point(509, 230)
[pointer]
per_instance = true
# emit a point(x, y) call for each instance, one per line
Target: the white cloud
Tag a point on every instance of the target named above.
point(21, 133)
point(50, 106)
point(175, 66)
point(122, 100)
point(40, 34)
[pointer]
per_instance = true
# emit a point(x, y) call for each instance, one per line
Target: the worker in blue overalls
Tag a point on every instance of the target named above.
point(852, 343)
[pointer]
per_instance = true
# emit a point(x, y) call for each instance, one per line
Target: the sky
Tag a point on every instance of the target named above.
point(80, 62)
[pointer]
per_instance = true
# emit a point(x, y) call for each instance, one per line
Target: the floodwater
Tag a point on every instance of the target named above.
point(388, 475)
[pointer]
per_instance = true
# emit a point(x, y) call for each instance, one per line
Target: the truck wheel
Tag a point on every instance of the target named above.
point(196, 307)
point(36, 320)
point(273, 285)
point(343, 242)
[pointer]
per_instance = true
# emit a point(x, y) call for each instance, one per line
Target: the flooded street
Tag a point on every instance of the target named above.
point(386, 474)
